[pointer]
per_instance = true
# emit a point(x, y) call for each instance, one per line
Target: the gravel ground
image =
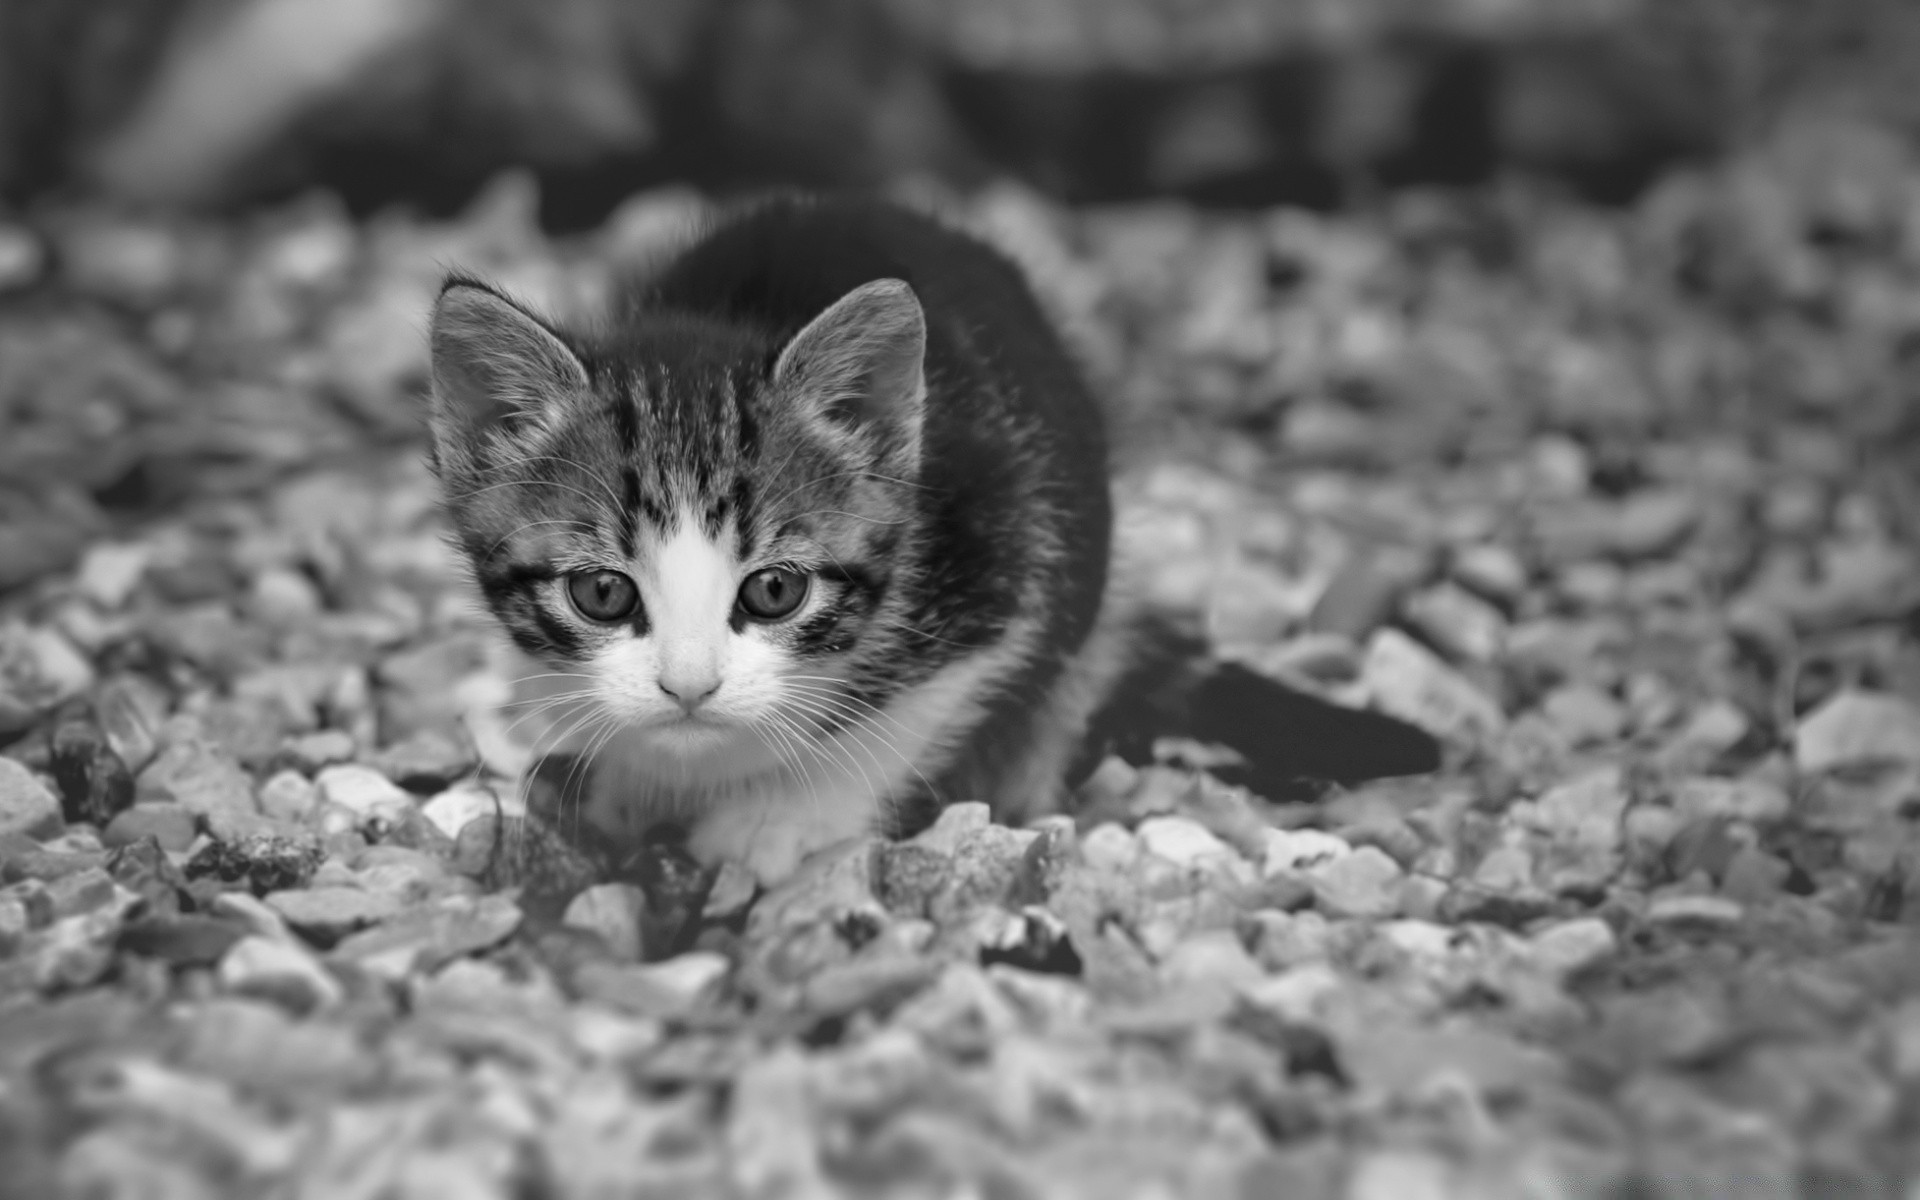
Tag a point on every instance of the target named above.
point(1621, 503)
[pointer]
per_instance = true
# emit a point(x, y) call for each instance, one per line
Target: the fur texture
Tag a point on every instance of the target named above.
point(839, 393)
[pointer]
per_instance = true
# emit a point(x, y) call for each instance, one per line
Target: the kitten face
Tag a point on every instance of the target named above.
point(698, 531)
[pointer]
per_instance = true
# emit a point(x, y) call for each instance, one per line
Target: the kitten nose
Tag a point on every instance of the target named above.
point(690, 691)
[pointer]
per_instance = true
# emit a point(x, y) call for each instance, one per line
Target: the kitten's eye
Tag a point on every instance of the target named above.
point(603, 595)
point(773, 593)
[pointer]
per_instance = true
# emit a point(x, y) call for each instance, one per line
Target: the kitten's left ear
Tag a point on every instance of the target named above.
point(859, 367)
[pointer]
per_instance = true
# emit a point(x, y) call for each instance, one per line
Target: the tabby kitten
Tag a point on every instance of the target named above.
point(815, 536)
point(817, 529)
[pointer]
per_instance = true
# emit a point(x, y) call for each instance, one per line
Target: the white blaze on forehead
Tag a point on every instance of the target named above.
point(689, 591)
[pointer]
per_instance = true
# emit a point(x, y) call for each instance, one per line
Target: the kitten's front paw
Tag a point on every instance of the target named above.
point(769, 843)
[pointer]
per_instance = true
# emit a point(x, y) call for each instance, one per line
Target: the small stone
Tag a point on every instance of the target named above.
point(1110, 847)
point(94, 784)
point(81, 892)
point(22, 258)
point(733, 890)
point(109, 572)
point(454, 809)
point(1365, 591)
point(1301, 849)
point(192, 773)
point(27, 806)
point(1406, 680)
point(612, 912)
point(1584, 715)
point(289, 796)
point(1717, 727)
point(1365, 883)
point(181, 939)
point(1211, 956)
point(955, 824)
point(1457, 621)
point(425, 938)
point(1717, 912)
point(130, 710)
point(1296, 994)
point(1107, 788)
point(40, 667)
point(1569, 947)
point(1490, 569)
point(1755, 800)
point(1402, 1175)
point(1582, 819)
point(408, 875)
point(370, 796)
point(312, 752)
point(429, 760)
point(279, 970)
point(332, 912)
point(284, 597)
point(1855, 728)
point(1754, 876)
point(1183, 842)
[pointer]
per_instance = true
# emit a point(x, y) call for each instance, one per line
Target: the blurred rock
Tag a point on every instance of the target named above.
point(1856, 728)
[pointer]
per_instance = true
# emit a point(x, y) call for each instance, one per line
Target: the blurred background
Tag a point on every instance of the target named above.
point(1364, 234)
point(216, 103)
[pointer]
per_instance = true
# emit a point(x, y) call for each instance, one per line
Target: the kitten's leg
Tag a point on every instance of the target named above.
point(1037, 784)
point(770, 834)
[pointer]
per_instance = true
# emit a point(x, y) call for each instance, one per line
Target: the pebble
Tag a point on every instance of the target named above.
point(1490, 569)
point(364, 792)
point(673, 987)
point(424, 938)
point(269, 967)
point(1365, 883)
point(1457, 621)
point(1296, 994)
point(1110, 847)
point(332, 912)
point(1584, 715)
point(613, 912)
point(311, 752)
point(1854, 728)
point(427, 761)
point(283, 597)
point(131, 710)
point(174, 826)
point(1568, 947)
point(1582, 819)
point(110, 571)
point(1406, 680)
point(1755, 800)
point(27, 806)
point(1183, 842)
point(1211, 956)
point(1401, 1175)
point(1711, 911)
point(289, 796)
point(454, 809)
point(22, 258)
point(1301, 849)
point(194, 774)
point(956, 824)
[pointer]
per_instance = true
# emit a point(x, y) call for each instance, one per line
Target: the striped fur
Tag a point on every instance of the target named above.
point(839, 388)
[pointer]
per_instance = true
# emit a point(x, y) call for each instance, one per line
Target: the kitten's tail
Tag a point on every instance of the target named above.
point(1286, 737)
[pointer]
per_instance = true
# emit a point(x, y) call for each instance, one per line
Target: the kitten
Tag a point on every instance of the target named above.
point(815, 533)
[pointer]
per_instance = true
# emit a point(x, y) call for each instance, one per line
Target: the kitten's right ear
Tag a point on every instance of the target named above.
point(494, 365)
